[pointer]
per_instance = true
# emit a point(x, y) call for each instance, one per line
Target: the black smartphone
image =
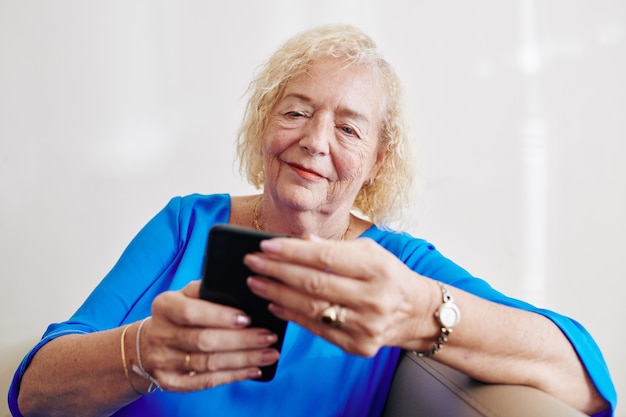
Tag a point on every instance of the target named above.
point(224, 280)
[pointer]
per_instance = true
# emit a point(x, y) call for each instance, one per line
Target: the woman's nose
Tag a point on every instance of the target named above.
point(317, 135)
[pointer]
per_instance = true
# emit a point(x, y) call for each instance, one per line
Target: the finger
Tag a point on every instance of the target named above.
point(211, 340)
point(289, 297)
point(312, 322)
point(306, 280)
point(192, 290)
point(350, 336)
point(224, 361)
point(205, 340)
point(207, 370)
point(179, 309)
point(177, 382)
point(360, 258)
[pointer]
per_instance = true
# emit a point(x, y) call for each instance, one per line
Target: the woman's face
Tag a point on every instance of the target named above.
point(321, 141)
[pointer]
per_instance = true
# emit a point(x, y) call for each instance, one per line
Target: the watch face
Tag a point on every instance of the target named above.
point(449, 315)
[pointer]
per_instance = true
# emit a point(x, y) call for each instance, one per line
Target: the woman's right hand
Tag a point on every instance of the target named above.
point(221, 348)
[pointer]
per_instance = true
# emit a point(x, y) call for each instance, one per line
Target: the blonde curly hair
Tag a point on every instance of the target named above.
point(387, 198)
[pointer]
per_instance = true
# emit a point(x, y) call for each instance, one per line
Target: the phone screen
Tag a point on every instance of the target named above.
point(224, 280)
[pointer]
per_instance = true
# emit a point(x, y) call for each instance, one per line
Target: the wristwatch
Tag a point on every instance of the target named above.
point(448, 315)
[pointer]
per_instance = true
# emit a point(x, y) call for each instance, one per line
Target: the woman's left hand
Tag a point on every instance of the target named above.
point(386, 304)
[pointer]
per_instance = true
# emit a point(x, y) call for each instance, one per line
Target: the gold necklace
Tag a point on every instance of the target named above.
point(257, 226)
point(255, 221)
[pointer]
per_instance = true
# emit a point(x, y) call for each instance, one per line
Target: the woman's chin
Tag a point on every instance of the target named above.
point(298, 197)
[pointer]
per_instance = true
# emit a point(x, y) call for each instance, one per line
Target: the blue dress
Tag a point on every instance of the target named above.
point(314, 377)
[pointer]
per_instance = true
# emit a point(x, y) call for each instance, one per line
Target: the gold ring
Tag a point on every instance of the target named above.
point(334, 316)
point(188, 365)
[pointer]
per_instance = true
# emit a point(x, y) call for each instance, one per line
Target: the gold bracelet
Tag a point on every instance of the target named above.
point(124, 361)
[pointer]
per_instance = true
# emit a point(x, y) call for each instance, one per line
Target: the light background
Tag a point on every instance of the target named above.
point(108, 109)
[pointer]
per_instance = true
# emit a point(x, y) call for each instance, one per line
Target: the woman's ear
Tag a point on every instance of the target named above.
point(380, 158)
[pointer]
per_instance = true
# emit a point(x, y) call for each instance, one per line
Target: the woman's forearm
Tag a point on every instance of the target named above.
point(80, 375)
point(498, 344)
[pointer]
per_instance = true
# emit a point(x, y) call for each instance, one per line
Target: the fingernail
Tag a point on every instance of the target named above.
point(277, 310)
point(257, 285)
point(265, 339)
point(269, 356)
point(271, 245)
point(254, 373)
point(253, 261)
point(241, 319)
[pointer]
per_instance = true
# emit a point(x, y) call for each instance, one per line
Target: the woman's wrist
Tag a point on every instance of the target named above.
point(448, 316)
point(425, 327)
point(139, 380)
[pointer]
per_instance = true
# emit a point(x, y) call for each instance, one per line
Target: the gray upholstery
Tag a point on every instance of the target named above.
point(425, 388)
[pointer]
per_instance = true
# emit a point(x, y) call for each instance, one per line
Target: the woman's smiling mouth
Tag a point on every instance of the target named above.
point(305, 173)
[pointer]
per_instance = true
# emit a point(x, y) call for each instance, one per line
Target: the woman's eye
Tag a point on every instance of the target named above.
point(348, 130)
point(295, 114)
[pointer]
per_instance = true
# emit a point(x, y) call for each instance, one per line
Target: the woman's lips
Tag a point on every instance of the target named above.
point(306, 173)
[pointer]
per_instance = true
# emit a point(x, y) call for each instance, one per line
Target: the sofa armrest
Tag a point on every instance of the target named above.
point(424, 387)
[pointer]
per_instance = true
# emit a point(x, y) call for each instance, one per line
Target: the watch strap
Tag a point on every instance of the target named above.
point(448, 300)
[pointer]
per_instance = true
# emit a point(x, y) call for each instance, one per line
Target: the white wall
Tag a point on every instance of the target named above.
point(108, 109)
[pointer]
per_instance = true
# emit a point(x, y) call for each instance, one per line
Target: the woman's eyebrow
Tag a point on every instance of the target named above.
point(353, 114)
point(298, 96)
point(342, 111)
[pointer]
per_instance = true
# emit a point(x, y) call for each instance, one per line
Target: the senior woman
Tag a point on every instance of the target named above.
point(324, 137)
